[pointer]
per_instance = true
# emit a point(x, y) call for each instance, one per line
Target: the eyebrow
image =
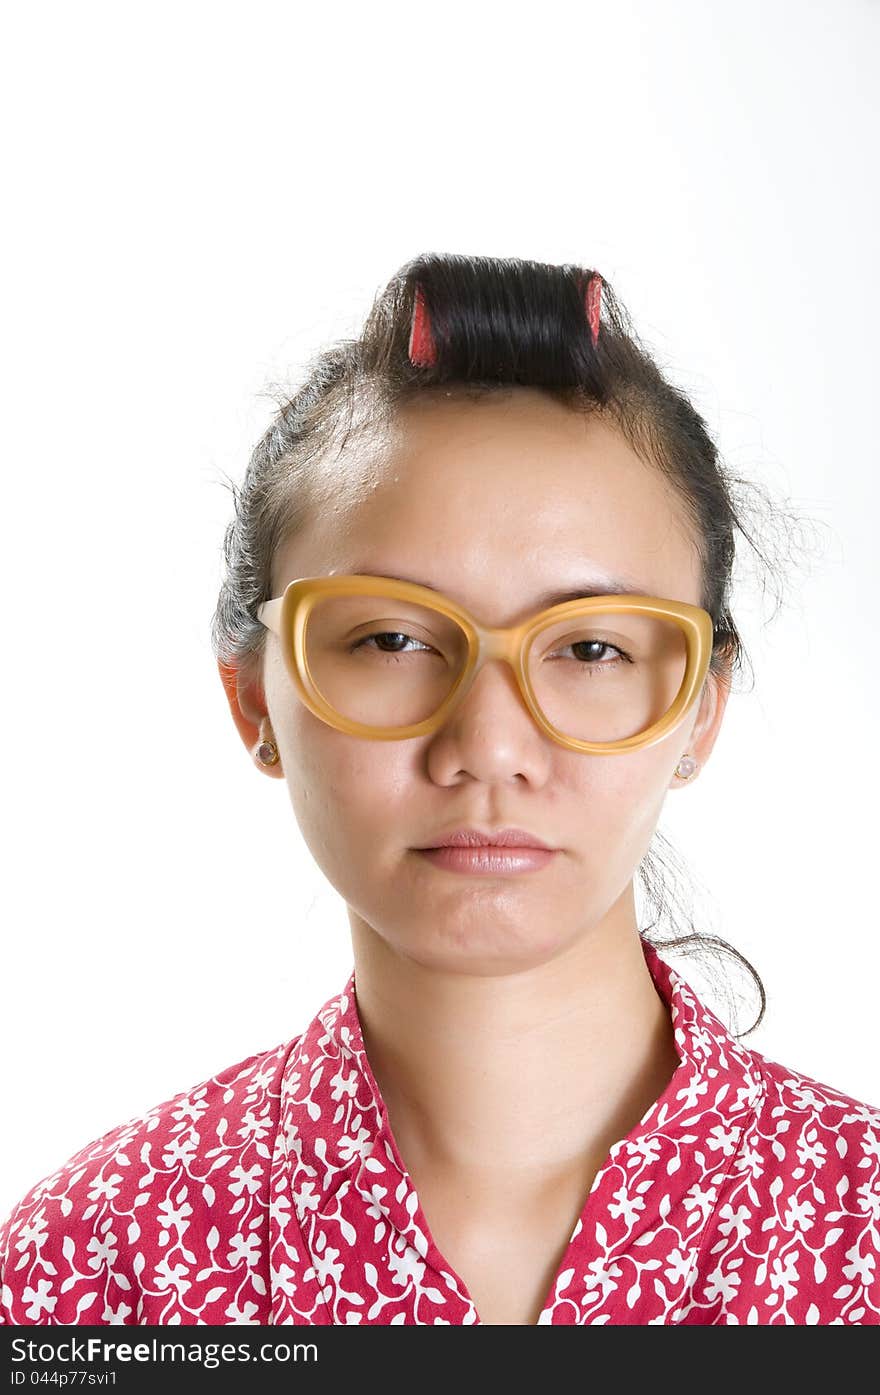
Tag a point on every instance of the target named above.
point(596, 586)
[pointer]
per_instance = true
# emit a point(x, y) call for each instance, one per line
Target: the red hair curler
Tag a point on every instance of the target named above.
point(423, 350)
point(594, 304)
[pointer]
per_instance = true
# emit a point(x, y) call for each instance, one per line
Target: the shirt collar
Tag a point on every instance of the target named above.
point(716, 1085)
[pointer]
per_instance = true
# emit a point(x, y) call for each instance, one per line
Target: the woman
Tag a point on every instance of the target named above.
point(476, 616)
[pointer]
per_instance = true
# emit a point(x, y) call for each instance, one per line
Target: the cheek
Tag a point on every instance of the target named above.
point(647, 785)
point(615, 801)
point(343, 790)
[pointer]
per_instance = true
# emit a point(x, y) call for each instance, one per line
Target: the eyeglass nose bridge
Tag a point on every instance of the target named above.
point(509, 644)
point(499, 643)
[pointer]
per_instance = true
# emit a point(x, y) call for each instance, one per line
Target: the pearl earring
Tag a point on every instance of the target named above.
point(686, 768)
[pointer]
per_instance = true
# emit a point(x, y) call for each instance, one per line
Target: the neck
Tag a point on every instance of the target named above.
point(531, 1074)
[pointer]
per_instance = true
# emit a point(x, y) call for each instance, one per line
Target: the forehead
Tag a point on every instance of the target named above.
point(495, 501)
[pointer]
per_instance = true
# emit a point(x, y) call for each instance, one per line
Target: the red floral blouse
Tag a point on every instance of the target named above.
point(274, 1193)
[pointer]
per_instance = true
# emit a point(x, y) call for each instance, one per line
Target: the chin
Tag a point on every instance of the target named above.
point(484, 948)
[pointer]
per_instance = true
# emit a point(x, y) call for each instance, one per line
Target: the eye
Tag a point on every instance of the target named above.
point(594, 644)
point(589, 653)
point(382, 635)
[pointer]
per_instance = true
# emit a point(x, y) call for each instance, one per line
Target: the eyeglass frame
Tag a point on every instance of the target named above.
point(287, 615)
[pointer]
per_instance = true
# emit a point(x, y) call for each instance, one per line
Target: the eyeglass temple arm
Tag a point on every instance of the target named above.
point(269, 614)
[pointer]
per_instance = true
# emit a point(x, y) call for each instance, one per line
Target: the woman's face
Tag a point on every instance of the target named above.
point(492, 502)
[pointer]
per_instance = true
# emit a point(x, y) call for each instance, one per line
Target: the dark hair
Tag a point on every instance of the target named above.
point(497, 323)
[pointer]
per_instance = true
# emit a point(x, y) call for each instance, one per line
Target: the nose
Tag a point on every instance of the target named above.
point(495, 674)
point(493, 712)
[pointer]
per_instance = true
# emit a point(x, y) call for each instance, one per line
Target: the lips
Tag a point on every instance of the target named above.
point(489, 859)
point(487, 838)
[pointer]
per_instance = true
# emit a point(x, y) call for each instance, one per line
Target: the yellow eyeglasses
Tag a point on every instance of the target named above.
point(388, 660)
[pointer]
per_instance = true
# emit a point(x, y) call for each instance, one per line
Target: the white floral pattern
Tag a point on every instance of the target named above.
point(274, 1193)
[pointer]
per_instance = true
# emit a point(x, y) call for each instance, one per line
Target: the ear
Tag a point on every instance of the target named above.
point(247, 703)
point(707, 724)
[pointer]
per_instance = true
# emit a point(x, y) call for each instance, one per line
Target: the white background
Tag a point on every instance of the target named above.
point(201, 196)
